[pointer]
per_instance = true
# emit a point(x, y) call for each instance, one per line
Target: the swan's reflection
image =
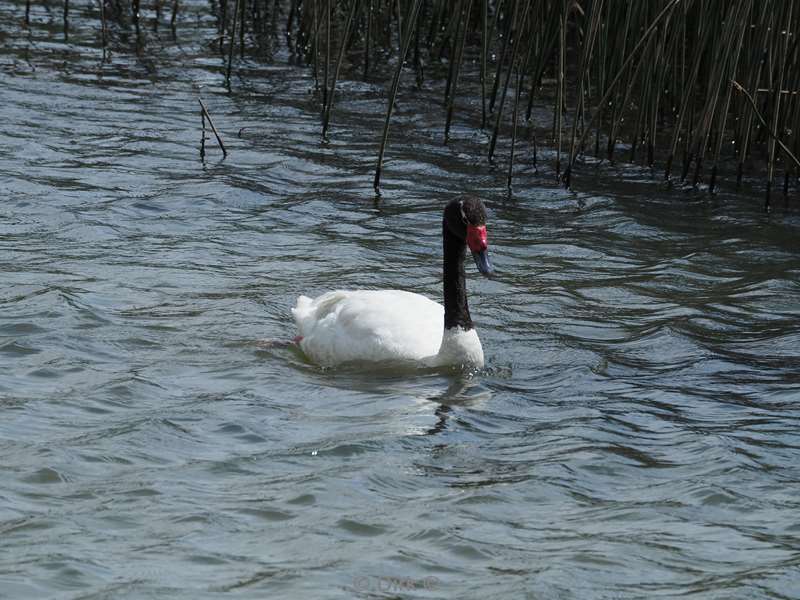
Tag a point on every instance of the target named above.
point(399, 394)
point(464, 390)
point(442, 411)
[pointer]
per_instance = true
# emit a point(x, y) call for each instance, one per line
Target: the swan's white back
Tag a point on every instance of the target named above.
point(381, 326)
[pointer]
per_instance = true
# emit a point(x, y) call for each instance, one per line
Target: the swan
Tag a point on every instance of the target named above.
point(345, 326)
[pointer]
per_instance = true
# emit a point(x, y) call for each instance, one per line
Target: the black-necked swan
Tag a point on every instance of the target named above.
point(392, 325)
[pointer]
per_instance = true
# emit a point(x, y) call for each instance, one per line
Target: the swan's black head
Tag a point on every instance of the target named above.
point(465, 218)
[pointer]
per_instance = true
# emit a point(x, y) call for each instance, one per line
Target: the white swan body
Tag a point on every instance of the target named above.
point(390, 326)
point(381, 326)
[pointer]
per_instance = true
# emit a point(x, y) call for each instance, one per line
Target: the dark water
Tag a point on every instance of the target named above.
point(634, 435)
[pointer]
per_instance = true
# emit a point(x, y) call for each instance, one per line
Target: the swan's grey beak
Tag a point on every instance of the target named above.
point(478, 244)
point(483, 263)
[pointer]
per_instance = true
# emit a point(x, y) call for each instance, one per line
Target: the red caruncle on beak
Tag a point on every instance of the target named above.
point(476, 238)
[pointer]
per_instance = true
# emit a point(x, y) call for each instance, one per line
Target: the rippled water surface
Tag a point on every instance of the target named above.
point(634, 435)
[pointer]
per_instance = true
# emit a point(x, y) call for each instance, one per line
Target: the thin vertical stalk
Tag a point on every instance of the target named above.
point(368, 39)
point(458, 59)
point(417, 58)
point(503, 53)
point(514, 118)
point(135, 8)
point(406, 43)
point(223, 7)
point(549, 44)
point(66, 20)
point(398, 8)
point(618, 104)
point(289, 25)
point(776, 102)
point(342, 47)
point(562, 52)
point(757, 52)
point(236, 11)
point(174, 16)
point(103, 26)
point(740, 25)
point(583, 72)
point(516, 29)
point(242, 23)
point(327, 64)
point(484, 52)
point(453, 53)
point(315, 43)
point(202, 133)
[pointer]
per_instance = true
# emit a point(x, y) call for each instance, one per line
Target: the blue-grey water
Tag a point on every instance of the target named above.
point(634, 434)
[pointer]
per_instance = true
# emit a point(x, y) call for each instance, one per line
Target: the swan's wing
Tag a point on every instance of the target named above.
point(368, 325)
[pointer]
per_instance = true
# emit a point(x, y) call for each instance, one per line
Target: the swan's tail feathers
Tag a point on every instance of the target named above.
point(302, 312)
point(303, 306)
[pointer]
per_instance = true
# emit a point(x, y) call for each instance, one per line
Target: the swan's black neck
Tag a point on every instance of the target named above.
point(456, 311)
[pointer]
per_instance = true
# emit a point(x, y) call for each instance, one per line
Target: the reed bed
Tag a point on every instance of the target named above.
point(696, 89)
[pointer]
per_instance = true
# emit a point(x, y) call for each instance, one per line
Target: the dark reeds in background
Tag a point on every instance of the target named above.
point(698, 88)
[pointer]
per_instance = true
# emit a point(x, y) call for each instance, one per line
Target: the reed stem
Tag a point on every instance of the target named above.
point(236, 10)
point(206, 115)
point(339, 60)
point(412, 24)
